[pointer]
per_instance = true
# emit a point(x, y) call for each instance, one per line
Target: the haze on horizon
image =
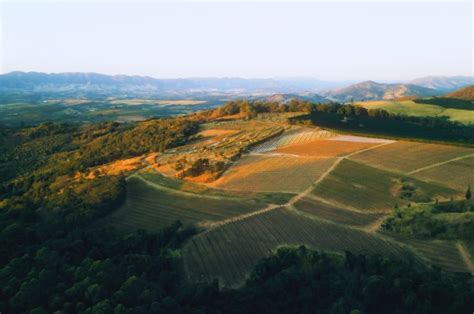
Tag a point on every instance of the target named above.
point(324, 40)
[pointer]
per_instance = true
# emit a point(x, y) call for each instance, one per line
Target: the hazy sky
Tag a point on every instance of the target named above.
point(326, 40)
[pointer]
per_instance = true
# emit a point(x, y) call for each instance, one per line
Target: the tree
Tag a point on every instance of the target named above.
point(468, 193)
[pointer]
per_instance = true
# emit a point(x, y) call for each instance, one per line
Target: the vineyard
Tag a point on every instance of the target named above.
point(292, 137)
point(457, 174)
point(151, 206)
point(287, 185)
point(409, 156)
point(229, 252)
point(273, 173)
point(365, 188)
point(443, 254)
point(324, 148)
point(336, 214)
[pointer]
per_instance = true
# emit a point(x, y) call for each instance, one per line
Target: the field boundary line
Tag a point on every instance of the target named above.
point(440, 163)
point(221, 223)
point(342, 206)
point(466, 257)
point(308, 191)
point(367, 149)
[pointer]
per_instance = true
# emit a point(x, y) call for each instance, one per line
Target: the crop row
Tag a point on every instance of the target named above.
point(150, 208)
point(336, 214)
point(291, 138)
point(229, 252)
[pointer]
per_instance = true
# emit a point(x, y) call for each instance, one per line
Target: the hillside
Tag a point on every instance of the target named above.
point(466, 93)
point(371, 90)
point(244, 180)
point(444, 83)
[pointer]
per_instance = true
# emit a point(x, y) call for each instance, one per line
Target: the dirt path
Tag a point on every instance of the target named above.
point(440, 163)
point(466, 257)
point(367, 149)
point(293, 200)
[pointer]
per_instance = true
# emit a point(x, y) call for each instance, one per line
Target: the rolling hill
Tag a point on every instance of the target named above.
point(370, 90)
point(444, 83)
point(465, 93)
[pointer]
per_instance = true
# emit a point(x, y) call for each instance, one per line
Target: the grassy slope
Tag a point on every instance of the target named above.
point(411, 108)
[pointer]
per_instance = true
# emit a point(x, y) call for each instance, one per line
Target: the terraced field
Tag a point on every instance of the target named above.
point(409, 156)
point(230, 251)
point(364, 188)
point(151, 206)
point(292, 137)
point(336, 214)
point(267, 173)
point(456, 174)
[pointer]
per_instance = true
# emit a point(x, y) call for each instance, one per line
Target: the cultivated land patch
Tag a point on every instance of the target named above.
point(336, 214)
point(458, 174)
point(230, 251)
point(360, 139)
point(268, 173)
point(292, 137)
point(151, 206)
point(364, 188)
point(443, 254)
point(324, 148)
point(409, 156)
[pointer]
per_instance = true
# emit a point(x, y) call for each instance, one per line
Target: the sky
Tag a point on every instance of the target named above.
point(331, 40)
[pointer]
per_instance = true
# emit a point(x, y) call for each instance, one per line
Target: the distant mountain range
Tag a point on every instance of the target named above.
point(444, 83)
point(371, 90)
point(35, 81)
point(76, 85)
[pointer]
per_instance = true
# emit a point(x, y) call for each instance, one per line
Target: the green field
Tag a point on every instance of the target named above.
point(411, 108)
point(230, 251)
point(365, 188)
point(151, 206)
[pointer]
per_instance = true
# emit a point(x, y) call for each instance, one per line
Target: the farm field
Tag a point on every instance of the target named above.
point(336, 214)
point(364, 188)
point(292, 137)
point(457, 174)
point(411, 108)
point(150, 206)
point(229, 252)
point(409, 156)
point(267, 173)
point(324, 148)
point(443, 254)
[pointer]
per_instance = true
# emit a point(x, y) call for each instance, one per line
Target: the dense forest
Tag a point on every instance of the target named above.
point(55, 258)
